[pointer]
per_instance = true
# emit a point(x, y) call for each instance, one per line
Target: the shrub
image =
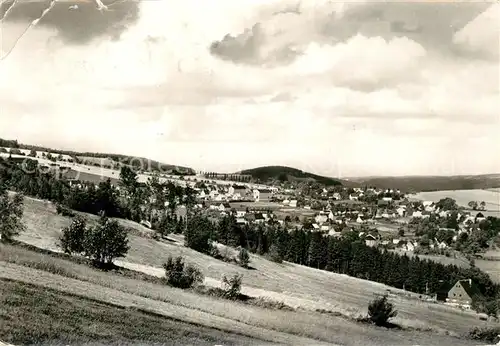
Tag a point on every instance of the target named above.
point(380, 311)
point(274, 254)
point(243, 258)
point(485, 334)
point(64, 211)
point(232, 286)
point(177, 274)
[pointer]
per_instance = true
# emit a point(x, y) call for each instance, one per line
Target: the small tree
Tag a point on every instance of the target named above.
point(401, 232)
point(11, 213)
point(73, 237)
point(380, 311)
point(274, 254)
point(105, 242)
point(177, 274)
point(244, 257)
point(232, 286)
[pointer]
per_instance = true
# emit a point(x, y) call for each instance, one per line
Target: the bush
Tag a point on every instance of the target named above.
point(274, 254)
point(380, 311)
point(177, 274)
point(243, 258)
point(232, 286)
point(485, 334)
point(64, 211)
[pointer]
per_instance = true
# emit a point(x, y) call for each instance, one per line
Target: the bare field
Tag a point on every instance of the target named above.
point(298, 286)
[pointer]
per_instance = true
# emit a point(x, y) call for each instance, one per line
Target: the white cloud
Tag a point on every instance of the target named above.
point(369, 105)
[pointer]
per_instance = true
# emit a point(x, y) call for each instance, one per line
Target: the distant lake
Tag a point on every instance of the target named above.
point(490, 196)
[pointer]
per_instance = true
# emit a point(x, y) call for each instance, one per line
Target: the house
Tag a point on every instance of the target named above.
point(237, 191)
point(260, 195)
point(325, 228)
point(427, 203)
point(259, 218)
point(387, 199)
point(462, 293)
point(479, 217)
point(359, 219)
point(417, 214)
point(336, 196)
point(293, 203)
point(321, 219)
point(241, 221)
point(241, 212)
point(224, 207)
point(353, 197)
point(371, 240)
point(331, 216)
point(401, 211)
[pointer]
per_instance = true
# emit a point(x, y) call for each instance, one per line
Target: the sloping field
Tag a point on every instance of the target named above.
point(284, 327)
point(296, 285)
point(41, 315)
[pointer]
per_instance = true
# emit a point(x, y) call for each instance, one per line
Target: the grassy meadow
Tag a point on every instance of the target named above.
point(300, 287)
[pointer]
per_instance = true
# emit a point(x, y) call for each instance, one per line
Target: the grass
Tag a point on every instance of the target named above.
point(299, 287)
point(31, 314)
point(97, 284)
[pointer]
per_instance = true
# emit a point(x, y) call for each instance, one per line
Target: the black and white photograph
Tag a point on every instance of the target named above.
point(250, 172)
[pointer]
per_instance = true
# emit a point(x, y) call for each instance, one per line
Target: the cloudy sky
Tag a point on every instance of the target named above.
point(337, 88)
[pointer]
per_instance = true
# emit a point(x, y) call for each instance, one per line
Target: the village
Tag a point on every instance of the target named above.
point(387, 219)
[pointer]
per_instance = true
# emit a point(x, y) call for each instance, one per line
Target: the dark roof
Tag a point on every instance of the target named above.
point(259, 216)
point(382, 202)
point(239, 187)
point(469, 287)
point(264, 191)
point(227, 205)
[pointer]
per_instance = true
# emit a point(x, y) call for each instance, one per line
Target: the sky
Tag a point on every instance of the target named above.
point(336, 88)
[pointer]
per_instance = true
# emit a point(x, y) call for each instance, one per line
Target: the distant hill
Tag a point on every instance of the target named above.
point(282, 173)
point(137, 162)
point(432, 183)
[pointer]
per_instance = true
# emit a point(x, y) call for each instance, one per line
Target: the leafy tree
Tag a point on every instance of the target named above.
point(73, 237)
point(105, 242)
point(483, 205)
point(473, 205)
point(243, 258)
point(401, 232)
point(274, 254)
point(32, 153)
point(198, 233)
point(128, 180)
point(11, 213)
point(178, 274)
point(232, 286)
point(447, 204)
point(380, 311)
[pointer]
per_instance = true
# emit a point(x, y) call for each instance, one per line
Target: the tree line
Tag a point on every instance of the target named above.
point(346, 255)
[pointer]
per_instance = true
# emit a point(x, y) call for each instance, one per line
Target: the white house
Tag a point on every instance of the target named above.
point(387, 199)
point(293, 203)
point(321, 218)
point(260, 195)
point(401, 211)
point(417, 214)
